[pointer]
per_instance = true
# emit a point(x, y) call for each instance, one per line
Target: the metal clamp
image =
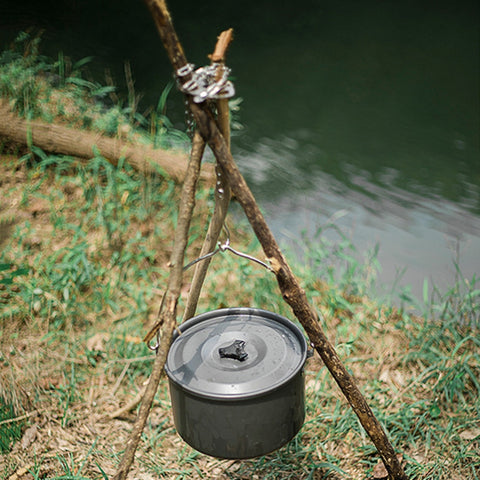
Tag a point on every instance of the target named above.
point(209, 82)
point(185, 70)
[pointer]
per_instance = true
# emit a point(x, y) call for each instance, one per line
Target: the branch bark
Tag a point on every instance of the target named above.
point(222, 190)
point(168, 314)
point(78, 143)
point(223, 42)
point(293, 294)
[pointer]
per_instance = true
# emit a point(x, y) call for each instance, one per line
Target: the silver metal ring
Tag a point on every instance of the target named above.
point(185, 70)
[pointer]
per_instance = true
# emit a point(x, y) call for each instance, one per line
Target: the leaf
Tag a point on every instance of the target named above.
point(21, 271)
point(97, 342)
point(80, 82)
point(470, 434)
point(29, 436)
point(379, 471)
point(80, 63)
point(435, 411)
point(330, 467)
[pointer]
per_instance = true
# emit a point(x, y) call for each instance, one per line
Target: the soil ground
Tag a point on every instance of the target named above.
point(71, 351)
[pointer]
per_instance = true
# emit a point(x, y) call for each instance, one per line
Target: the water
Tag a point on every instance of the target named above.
point(367, 111)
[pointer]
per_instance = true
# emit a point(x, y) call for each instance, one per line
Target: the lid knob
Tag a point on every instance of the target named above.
point(235, 351)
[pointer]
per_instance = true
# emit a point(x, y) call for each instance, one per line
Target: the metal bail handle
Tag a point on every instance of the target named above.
point(236, 351)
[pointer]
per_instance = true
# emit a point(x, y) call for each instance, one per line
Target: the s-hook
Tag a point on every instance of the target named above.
point(226, 246)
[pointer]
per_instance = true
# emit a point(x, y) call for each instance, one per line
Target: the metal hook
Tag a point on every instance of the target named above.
point(199, 259)
point(226, 246)
point(248, 257)
point(157, 344)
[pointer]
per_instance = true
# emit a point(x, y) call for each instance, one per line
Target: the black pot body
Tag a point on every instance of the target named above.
point(242, 428)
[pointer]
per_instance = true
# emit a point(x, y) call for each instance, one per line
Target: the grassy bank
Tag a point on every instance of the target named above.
point(83, 264)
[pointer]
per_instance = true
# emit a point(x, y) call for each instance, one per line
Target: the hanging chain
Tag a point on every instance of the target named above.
point(222, 248)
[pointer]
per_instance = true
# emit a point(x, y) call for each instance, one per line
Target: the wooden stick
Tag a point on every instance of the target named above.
point(222, 189)
point(133, 403)
point(292, 293)
point(22, 417)
point(223, 42)
point(168, 315)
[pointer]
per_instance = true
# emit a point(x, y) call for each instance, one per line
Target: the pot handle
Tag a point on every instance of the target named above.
point(236, 351)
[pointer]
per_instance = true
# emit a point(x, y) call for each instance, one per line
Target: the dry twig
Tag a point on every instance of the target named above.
point(133, 403)
point(167, 320)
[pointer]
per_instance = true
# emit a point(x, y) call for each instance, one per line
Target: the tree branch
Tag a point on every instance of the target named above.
point(168, 317)
point(222, 189)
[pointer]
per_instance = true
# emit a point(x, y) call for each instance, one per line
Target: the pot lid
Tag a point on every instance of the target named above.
point(235, 353)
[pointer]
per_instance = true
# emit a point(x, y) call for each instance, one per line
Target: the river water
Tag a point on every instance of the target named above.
point(364, 112)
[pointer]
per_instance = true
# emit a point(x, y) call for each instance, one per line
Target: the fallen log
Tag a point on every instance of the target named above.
point(63, 140)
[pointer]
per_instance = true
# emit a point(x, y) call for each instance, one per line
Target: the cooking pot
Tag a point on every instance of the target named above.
point(236, 382)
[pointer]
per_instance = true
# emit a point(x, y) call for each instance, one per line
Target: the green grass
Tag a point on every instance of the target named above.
point(62, 90)
point(10, 432)
point(83, 266)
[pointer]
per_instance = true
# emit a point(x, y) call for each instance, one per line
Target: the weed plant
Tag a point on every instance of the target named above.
point(11, 432)
point(83, 268)
point(63, 91)
point(83, 272)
